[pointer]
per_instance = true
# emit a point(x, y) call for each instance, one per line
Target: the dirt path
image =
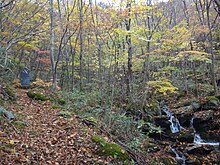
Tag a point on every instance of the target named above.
point(46, 138)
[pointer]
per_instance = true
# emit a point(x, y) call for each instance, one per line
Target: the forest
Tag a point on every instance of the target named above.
point(110, 82)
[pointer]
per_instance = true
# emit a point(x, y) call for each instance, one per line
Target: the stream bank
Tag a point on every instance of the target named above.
point(191, 132)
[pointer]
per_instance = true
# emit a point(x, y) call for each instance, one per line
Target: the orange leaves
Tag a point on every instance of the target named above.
point(44, 60)
point(43, 52)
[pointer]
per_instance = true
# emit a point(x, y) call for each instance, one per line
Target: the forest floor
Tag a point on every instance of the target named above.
point(41, 136)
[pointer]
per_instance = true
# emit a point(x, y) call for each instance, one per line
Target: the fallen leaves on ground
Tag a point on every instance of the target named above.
point(46, 138)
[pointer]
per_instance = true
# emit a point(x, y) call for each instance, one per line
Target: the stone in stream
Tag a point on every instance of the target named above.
point(184, 115)
point(199, 149)
point(202, 119)
point(186, 135)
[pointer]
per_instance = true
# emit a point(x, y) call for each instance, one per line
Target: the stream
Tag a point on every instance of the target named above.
point(176, 127)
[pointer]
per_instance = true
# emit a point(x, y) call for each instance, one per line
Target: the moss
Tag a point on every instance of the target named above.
point(61, 101)
point(209, 98)
point(92, 120)
point(112, 149)
point(212, 100)
point(2, 102)
point(20, 124)
point(65, 114)
point(36, 96)
point(98, 139)
point(16, 83)
point(11, 92)
point(55, 107)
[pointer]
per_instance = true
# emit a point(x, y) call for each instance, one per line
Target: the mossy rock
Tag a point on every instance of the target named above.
point(37, 96)
point(55, 106)
point(212, 100)
point(61, 102)
point(92, 121)
point(112, 149)
point(98, 139)
point(10, 91)
point(65, 114)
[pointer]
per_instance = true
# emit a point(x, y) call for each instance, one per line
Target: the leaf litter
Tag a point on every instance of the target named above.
point(46, 138)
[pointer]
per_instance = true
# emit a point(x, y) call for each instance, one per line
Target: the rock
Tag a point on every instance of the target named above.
point(112, 149)
point(8, 114)
point(211, 103)
point(193, 162)
point(199, 149)
point(65, 114)
point(186, 135)
point(36, 96)
point(168, 160)
point(202, 119)
point(184, 115)
point(9, 92)
point(109, 149)
point(98, 139)
point(149, 145)
point(213, 135)
point(196, 105)
point(163, 122)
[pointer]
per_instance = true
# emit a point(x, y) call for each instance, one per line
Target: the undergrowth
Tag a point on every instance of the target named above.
point(114, 120)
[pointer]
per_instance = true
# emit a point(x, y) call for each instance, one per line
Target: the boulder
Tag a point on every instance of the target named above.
point(196, 105)
point(199, 149)
point(6, 113)
point(203, 119)
point(168, 160)
point(186, 135)
point(163, 122)
point(193, 162)
point(184, 115)
point(211, 103)
point(213, 135)
point(112, 149)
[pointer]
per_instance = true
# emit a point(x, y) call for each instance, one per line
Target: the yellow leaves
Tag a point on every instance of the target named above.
point(11, 142)
point(27, 46)
point(161, 86)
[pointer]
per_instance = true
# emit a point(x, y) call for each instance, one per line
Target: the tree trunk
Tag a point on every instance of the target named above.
point(54, 81)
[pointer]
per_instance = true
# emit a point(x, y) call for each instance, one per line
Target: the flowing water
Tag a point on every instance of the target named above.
point(179, 156)
point(176, 127)
point(199, 140)
point(174, 122)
